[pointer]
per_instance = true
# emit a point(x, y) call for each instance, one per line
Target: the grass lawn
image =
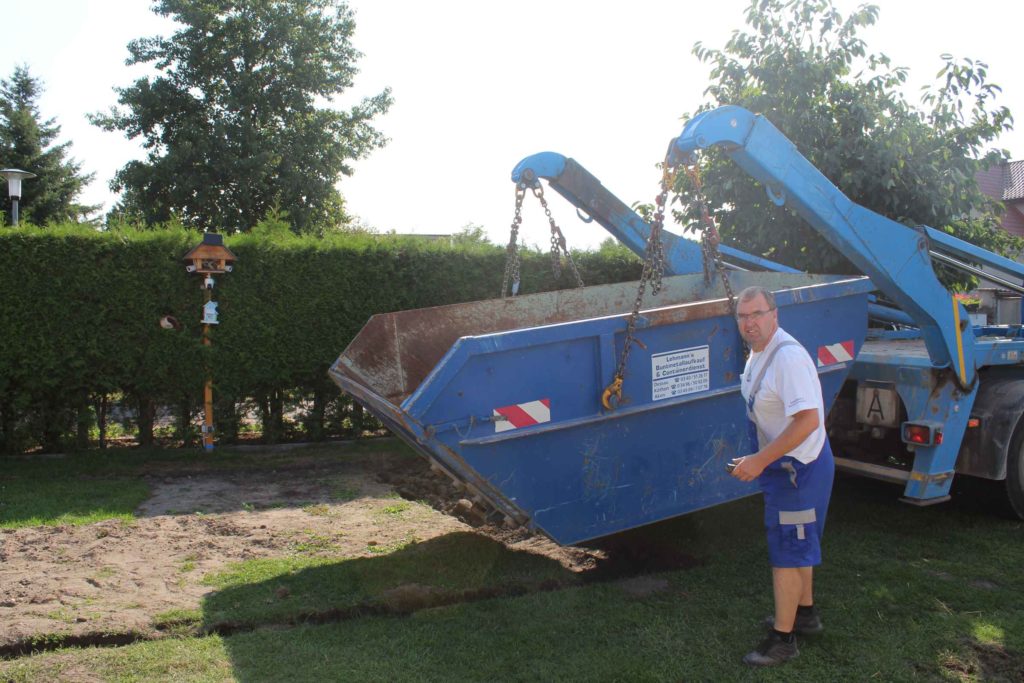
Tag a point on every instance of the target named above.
point(907, 594)
point(67, 490)
point(97, 485)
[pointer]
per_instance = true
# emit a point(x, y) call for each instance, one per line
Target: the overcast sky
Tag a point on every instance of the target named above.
point(480, 85)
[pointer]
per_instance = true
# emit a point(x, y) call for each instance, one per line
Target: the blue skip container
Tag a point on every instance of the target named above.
point(504, 396)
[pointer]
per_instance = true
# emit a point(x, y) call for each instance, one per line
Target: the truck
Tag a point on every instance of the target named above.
point(505, 396)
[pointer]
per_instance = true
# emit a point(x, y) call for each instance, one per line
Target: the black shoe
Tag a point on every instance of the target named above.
point(804, 625)
point(772, 650)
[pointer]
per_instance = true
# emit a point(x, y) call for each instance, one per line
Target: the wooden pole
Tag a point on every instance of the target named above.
point(208, 389)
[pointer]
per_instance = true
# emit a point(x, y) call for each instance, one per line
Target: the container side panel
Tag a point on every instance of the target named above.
point(579, 472)
point(517, 415)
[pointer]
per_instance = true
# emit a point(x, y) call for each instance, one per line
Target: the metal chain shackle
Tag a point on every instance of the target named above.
point(652, 273)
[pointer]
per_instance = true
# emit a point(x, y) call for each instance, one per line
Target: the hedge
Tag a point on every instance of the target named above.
point(79, 324)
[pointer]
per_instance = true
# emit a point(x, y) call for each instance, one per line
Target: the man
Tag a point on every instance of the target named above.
point(793, 466)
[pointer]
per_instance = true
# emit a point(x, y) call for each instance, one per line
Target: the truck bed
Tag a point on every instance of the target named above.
point(990, 349)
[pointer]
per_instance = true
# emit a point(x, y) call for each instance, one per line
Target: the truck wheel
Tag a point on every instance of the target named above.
point(1015, 474)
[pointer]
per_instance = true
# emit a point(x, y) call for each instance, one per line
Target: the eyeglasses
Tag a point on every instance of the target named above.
point(756, 315)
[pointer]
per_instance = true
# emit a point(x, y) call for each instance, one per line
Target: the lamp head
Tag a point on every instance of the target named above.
point(14, 177)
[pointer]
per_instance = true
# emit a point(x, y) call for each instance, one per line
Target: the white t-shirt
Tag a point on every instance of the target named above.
point(789, 385)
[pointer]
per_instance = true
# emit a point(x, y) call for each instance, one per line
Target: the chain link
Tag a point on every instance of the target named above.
point(654, 267)
point(709, 238)
point(512, 256)
point(652, 273)
point(558, 246)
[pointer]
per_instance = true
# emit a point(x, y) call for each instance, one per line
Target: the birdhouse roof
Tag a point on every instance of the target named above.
point(212, 247)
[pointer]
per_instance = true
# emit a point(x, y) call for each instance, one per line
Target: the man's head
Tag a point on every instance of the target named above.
point(757, 317)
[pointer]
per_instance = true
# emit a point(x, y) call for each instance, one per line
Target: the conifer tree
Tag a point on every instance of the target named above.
point(29, 142)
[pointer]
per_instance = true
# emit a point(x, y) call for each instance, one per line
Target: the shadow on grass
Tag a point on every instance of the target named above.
point(901, 602)
point(276, 616)
point(458, 567)
point(908, 594)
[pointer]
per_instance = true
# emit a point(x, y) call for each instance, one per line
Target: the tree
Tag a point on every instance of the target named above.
point(236, 124)
point(471, 234)
point(804, 68)
point(27, 142)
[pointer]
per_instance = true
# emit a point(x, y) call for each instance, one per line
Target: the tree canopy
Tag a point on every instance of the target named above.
point(803, 66)
point(28, 142)
point(240, 120)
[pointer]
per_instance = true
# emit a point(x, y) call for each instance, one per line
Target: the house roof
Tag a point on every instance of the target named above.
point(1013, 180)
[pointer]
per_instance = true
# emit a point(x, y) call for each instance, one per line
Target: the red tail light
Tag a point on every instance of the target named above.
point(922, 433)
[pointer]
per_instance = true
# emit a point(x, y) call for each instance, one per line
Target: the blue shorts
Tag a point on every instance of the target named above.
point(795, 504)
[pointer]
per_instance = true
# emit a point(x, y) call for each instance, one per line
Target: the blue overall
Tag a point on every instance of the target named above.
point(795, 503)
point(796, 497)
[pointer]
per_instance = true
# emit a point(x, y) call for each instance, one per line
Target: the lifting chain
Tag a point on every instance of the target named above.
point(558, 248)
point(513, 259)
point(709, 238)
point(652, 273)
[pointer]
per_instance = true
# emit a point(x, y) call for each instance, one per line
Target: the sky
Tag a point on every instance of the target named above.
point(480, 85)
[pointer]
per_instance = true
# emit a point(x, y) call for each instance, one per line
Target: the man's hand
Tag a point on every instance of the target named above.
point(748, 468)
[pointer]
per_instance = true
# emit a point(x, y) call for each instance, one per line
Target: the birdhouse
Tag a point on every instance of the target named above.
point(210, 313)
point(210, 257)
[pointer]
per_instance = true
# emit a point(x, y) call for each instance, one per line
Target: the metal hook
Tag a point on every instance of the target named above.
point(584, 217)
point(777, 195)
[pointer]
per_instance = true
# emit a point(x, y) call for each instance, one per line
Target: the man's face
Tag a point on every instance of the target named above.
point(756, 322)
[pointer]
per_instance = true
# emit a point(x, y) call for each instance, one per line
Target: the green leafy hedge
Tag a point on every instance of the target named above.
point(80, 333)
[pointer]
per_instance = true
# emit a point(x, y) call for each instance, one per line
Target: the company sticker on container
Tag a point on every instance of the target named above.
point(675, 373)
point(835, 353)
point(522, 415)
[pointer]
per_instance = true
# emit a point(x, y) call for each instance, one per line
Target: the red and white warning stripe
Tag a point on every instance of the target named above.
point(835, 353)
point(522, 415)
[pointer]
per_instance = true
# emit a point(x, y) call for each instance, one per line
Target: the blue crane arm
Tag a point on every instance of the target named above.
point(961, 255)
point(895, 257)
point(586, 193)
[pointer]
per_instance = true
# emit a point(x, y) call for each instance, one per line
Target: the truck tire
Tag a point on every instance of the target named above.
point(1014, 483)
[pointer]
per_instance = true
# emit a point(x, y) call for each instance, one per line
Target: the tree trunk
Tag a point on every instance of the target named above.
point(7, 428)
point(102, 405)
point(264, 403)
point(357, 419)
point(271, 416)
point(82, 424)
point(317, 428)
point(146, 417)
point(226, 415)
point(184, 420)
point(276, 416)
point(52, 431)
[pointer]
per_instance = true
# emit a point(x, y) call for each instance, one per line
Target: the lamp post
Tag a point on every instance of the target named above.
point(209, 258)
point(14, 177)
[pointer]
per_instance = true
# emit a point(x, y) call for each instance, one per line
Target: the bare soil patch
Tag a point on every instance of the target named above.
point(116, 577)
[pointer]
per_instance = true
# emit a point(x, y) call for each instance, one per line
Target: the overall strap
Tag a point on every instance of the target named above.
point(764, 368)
